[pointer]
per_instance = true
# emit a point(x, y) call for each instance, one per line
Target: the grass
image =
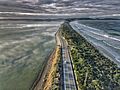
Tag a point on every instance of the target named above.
point(93, 70)
point(51, 75)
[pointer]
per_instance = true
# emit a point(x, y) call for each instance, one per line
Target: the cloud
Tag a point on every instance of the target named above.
point(31, 1)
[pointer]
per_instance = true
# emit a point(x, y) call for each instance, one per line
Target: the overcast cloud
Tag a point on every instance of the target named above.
point(82, 7)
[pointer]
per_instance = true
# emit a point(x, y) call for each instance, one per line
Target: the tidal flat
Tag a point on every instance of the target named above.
point(24, 49)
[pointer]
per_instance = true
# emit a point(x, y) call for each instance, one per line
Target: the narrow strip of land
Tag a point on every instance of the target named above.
point(39, 82)
point(69, 82)
point(93, 70)
point(45, 79)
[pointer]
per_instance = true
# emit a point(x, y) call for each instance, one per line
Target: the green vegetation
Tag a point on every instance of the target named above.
point(56, 76)
point(93, 70)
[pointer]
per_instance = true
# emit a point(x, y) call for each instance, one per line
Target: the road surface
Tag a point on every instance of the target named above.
point(69, 82)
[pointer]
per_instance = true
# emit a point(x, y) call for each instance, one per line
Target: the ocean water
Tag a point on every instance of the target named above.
point(24, 49)
point(103, 34)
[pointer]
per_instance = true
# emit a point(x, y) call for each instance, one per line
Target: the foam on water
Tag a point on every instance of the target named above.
point(99, 38)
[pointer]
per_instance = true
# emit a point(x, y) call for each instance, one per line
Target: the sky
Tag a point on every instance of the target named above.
point(81, 7)
point(32, 1)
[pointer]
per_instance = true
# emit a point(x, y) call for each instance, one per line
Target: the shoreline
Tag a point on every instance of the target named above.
point(41, 75)
point(39, 83)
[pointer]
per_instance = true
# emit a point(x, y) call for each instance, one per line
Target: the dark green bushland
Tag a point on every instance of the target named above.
point(93, 70)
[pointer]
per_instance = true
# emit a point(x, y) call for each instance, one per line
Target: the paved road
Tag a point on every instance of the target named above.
point(69, 82)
